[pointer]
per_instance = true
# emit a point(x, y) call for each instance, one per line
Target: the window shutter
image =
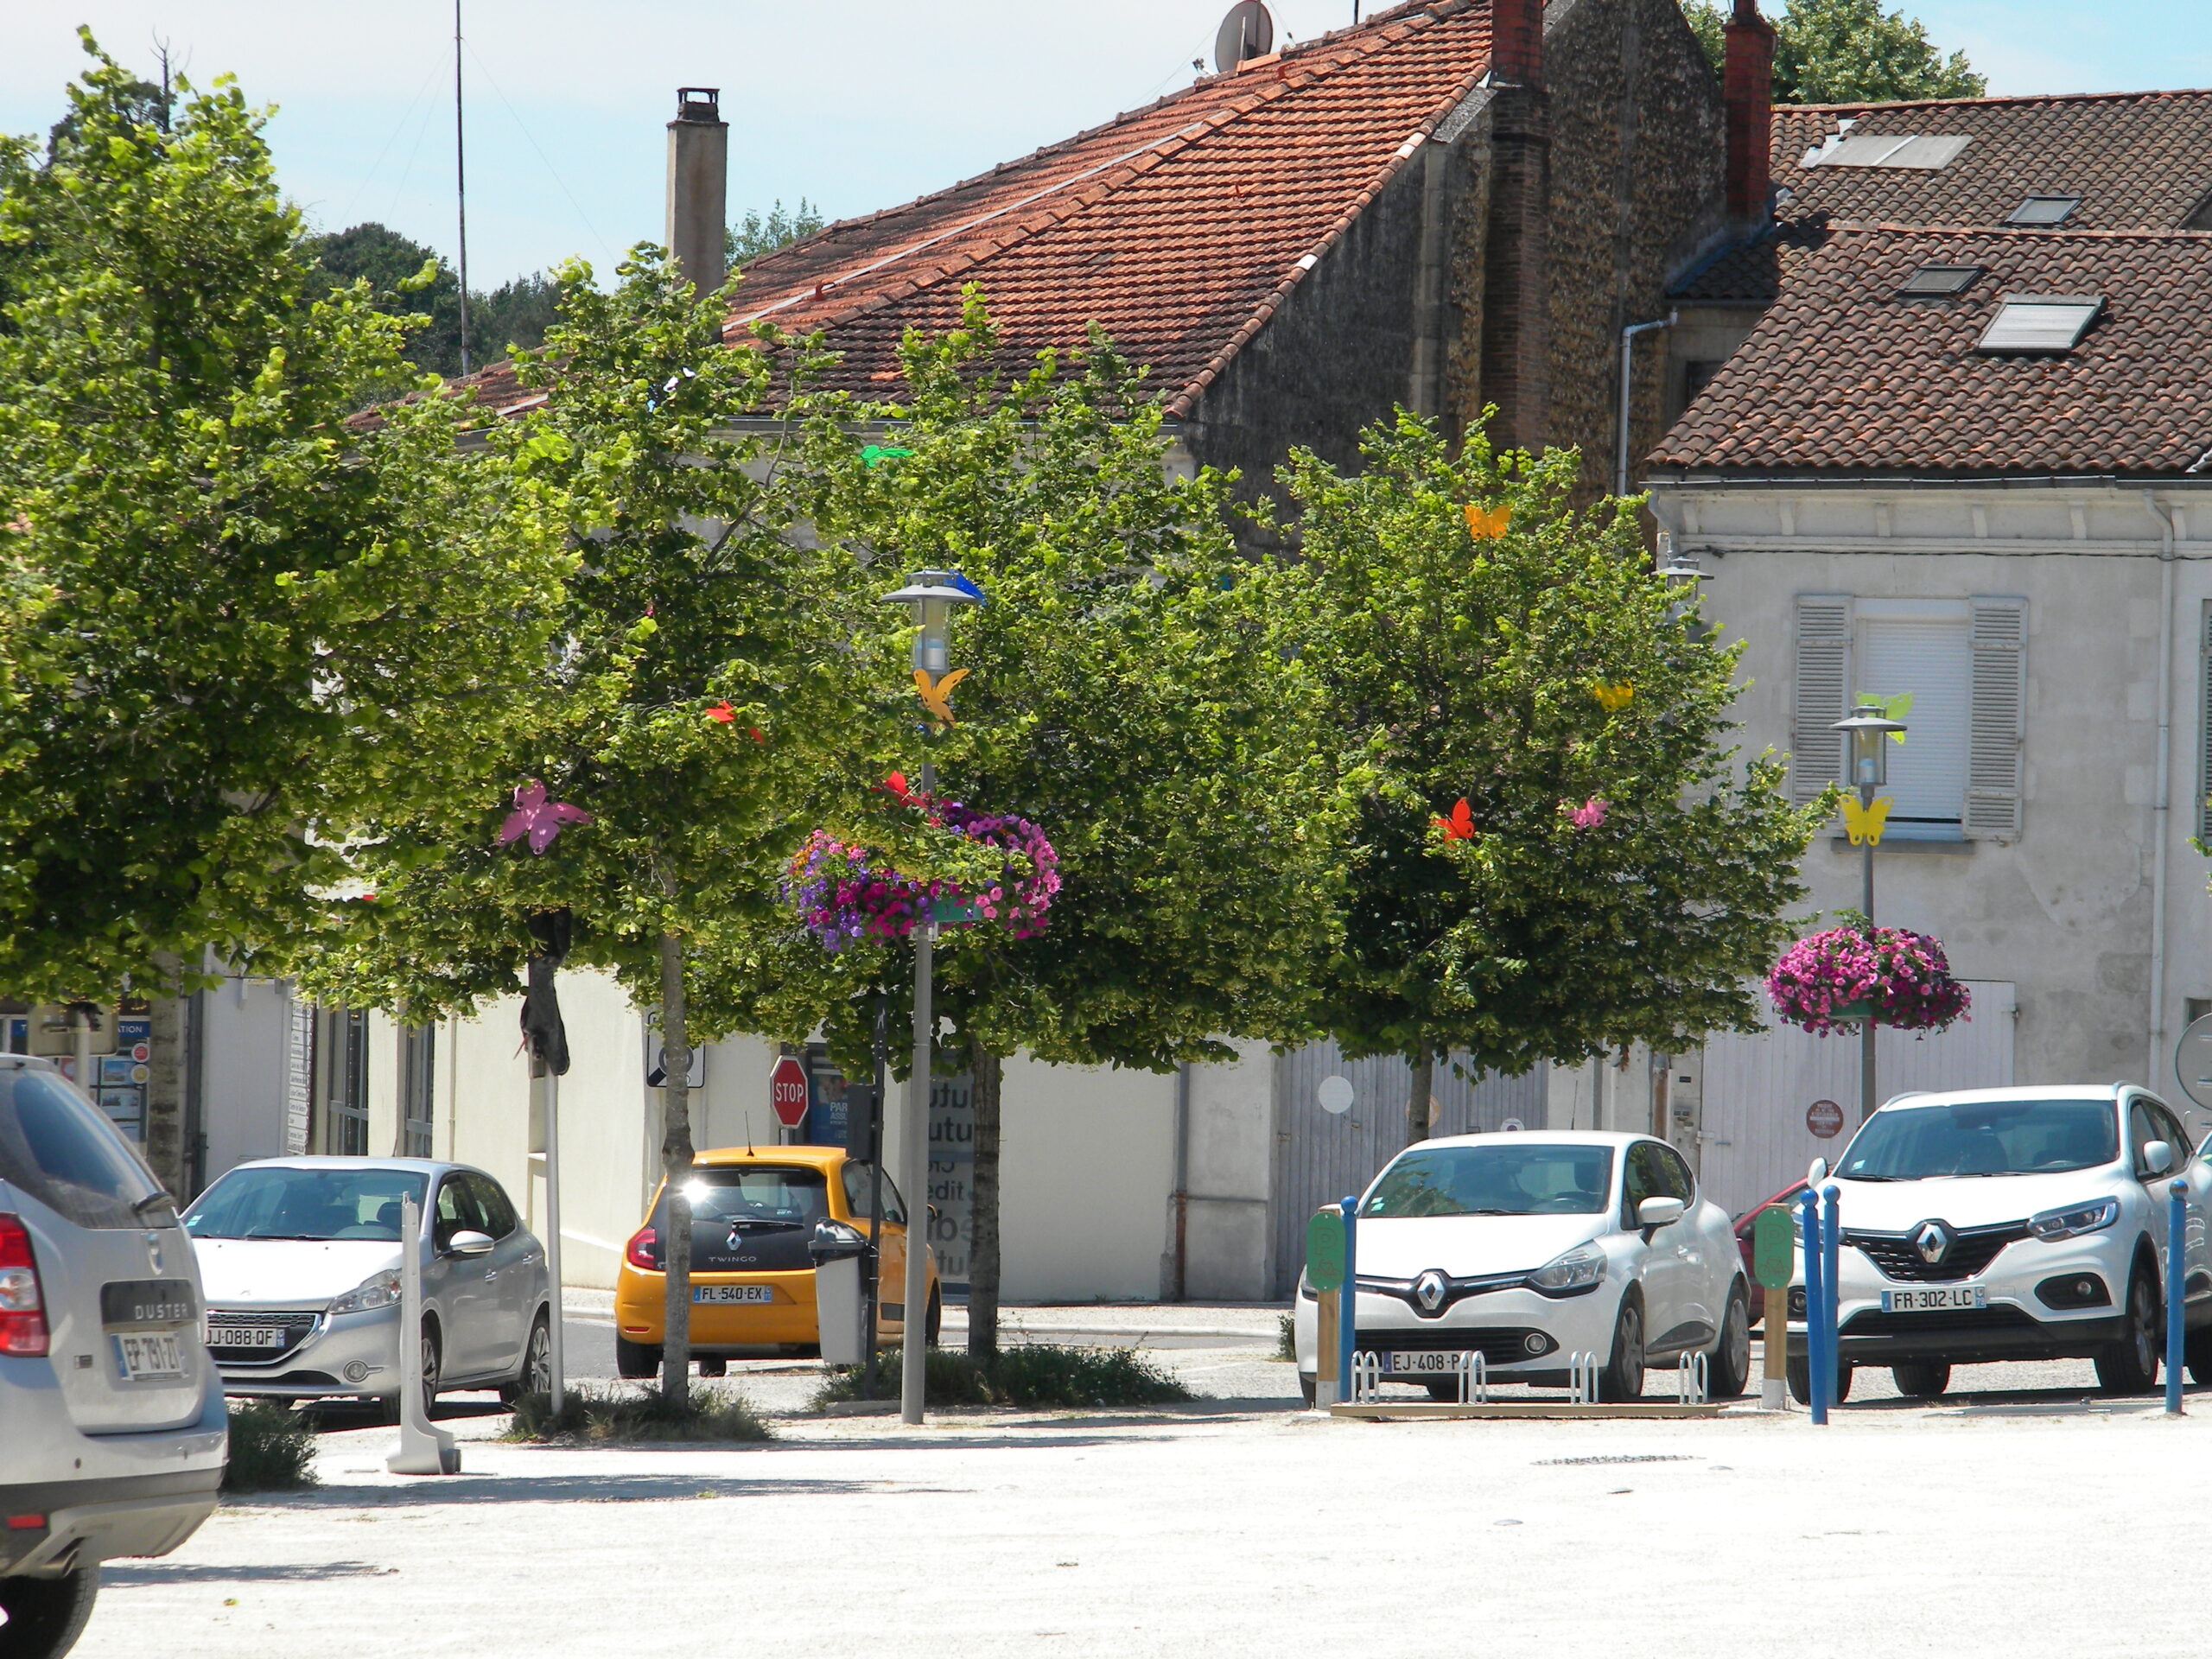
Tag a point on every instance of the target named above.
point(2204, 735)
point(1822, 693)
point(2000, 680)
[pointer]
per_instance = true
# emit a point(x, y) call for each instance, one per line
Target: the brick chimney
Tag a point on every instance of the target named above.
point(698, 185)
point(1516, 329)
point(1747, 87)
point(1516, 42)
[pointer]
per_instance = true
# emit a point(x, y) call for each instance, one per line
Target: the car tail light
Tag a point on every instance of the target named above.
point(643, 1249)
point(22, 1308)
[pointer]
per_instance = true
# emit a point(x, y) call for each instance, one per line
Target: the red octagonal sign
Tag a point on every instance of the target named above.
point(787, 1092)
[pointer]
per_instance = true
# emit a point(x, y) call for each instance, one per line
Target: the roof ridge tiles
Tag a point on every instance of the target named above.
point(2013, 232)
point(1986, 102)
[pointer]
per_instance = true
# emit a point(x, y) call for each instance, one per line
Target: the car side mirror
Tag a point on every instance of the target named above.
point(1814, 1175)
point(1659, 1212)
point(2158, 1157)
point(470, 1243)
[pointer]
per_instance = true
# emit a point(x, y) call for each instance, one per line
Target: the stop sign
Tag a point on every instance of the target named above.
point(787, 1092)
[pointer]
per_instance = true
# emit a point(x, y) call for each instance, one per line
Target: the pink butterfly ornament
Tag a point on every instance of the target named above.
point(539, 818)
point(1590, 814)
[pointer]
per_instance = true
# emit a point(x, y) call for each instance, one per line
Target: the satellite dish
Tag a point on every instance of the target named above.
point(1247, 32)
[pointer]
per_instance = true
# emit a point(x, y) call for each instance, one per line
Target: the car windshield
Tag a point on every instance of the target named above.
point(795, 1194)
point(276, 1201)
point(1983, 1137)
point(1517, 1178)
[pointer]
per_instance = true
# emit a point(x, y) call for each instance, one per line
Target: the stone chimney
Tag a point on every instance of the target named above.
point(1516, 243)
point(1747, 87)
point(698, 185)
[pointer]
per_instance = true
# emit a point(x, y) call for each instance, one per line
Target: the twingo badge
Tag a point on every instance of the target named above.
point(1863, 824)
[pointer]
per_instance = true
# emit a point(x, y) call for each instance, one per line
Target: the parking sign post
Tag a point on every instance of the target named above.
point(1818, 1373)
point(2176, 1260)
point(1772, 1265)
point(1324, 1276)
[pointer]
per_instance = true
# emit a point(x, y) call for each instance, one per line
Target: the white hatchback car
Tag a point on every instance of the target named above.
point(2013, 1224)
point(300, 1261)
point(1531, 1249)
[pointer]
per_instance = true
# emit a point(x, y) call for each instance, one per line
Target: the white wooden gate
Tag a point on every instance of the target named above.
point(1758, 1090)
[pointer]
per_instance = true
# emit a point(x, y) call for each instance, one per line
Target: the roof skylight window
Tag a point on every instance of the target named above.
point(2043, 210)
point(1938, 281)
point(2051, 324)
point(1927, 152)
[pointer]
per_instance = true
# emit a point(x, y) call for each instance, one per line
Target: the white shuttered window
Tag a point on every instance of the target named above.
point(1919, 647)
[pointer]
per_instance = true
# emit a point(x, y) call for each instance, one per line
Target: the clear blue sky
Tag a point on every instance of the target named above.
point(856, 104)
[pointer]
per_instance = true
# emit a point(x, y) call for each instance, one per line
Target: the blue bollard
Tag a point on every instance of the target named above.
point(1348, 1326)
point(1808, 1209)
point(1831, 1285)
point(2177, 1288)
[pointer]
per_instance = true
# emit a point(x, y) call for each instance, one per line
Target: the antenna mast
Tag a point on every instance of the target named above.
point(461, 179)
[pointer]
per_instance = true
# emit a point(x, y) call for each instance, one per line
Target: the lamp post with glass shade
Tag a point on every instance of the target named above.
point(1869, 730)
point(929, 596)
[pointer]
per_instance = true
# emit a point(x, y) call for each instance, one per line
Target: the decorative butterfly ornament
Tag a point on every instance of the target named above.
point(1487, 524)
point(936, 694)
point(1863, 824)
point(1613, 698)
point(1460, 825)
point(539, 818)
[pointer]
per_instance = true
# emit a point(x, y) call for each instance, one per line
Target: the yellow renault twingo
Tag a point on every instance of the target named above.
point(752, 1215)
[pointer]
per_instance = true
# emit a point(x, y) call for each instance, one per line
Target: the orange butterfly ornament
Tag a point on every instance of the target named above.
point(1460, 825)
point(936, 694)
point(1487, 524)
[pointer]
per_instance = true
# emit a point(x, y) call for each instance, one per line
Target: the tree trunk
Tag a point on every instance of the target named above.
point(676, 1171)
point(988, 1072)
point(1419, 1096)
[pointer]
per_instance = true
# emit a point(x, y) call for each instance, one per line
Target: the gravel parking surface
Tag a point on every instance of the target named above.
point(2009, 1520)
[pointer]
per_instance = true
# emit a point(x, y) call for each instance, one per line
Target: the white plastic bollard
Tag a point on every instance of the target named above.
point(423, 1448)
point(837, 1310)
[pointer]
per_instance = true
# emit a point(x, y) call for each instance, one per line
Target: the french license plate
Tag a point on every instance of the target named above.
point(1433, 1360)
point(733, 1293)
point(245, 1335)
point(148, 1356)
point(1945, 1296)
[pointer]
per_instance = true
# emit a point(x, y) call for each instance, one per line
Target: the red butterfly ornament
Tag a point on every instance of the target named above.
point(1460, 825)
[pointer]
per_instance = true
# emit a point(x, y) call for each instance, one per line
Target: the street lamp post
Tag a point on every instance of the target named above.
point(1870, 730)
point(929, 596)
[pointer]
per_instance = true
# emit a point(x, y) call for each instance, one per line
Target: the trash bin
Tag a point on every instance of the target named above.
point(837, 1250)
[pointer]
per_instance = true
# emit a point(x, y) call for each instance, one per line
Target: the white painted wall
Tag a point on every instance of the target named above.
point(1087, 1158)
point(243, 1104)
point(1232, 1161)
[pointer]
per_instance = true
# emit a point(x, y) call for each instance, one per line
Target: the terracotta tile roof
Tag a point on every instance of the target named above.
point(2137, 161)
point(1842, 376)
point(1180, 226)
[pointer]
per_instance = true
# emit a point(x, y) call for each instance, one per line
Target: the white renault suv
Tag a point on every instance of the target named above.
point(2010, 1224)
point(1531, 1249)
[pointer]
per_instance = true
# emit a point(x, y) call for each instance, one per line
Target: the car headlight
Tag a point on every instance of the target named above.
point(377, 1290)
point(2076, 1220)
point(1579, 1269)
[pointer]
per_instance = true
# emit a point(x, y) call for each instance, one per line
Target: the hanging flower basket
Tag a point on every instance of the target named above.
point(845, 890)
point(1847, 976)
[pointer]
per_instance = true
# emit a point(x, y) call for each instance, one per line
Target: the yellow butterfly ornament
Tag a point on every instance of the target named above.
point(1613, 698)
point(936, 694)
point(1863, 824)
point(1487, 524)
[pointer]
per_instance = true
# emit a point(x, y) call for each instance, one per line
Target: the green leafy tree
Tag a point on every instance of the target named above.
point(1847, 51)
point(757, 233)
point(410, 281)
point(259, 625)
point(701, 668)
point(1615, 876)
point(1131, 690)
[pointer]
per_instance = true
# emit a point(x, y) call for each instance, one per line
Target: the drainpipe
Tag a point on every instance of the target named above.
point(2161, 798)
point(1180, 1284)
point(1628, 385)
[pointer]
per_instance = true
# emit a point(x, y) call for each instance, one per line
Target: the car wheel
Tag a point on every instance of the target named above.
point(2131, 1365)
point(1308, 1388)
point(1730, 1371)
point(1922, 1379)
point(1800, 1382)
point(45, 1616)
point(935, 1321)
point(635, 1359)
point(430, 1355)
point(535, 1376)
point(1623, 1377)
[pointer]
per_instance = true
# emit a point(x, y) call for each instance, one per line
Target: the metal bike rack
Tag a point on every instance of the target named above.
point(1366, 1376)
point(1691, 1380)
point(1473, 1371)
point(1582, 1378)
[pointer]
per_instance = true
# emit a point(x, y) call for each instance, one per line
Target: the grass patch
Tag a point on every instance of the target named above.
point(272, 1450)
point(1287, 1338)
point(615, 1417)
point(1040, 1375)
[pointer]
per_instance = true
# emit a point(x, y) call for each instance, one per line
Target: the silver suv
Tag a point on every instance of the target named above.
point(115, 1431)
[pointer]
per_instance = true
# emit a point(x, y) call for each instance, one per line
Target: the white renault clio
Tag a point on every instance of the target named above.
point(1531, 1249)
point(2013, 1224)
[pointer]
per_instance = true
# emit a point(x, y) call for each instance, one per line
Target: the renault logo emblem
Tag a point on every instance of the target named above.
point(1933, 1240)
point(1428, 1291)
